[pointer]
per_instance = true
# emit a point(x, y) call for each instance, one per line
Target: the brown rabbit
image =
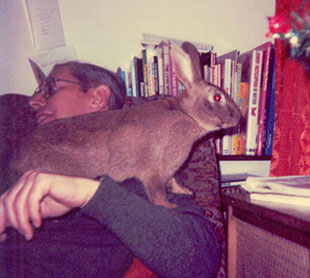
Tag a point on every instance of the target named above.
point(149, 142)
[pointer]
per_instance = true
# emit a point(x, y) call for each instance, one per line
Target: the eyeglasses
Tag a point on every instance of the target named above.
point(48, 87)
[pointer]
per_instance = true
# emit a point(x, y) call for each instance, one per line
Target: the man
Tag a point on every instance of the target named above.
point(78, 227)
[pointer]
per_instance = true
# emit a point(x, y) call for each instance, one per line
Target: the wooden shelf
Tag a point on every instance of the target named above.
point(243, 157)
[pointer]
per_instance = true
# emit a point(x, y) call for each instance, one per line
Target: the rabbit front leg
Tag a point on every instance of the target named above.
point(156, 191)
point(177, 188)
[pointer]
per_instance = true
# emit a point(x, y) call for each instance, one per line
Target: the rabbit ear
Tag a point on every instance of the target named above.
point(186, 63)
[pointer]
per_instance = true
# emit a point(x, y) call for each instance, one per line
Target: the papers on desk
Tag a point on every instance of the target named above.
point(293, 190)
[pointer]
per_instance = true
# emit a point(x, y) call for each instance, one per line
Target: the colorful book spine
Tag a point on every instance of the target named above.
point(270, 120)
point(133, 76)
point(145, 72)
point(237, 130)
point(244, 96)
point(252, 115)
point(159, 51)
point(166, 67)
point(266, 48)
point(126, 76)
point(173, 78)
point(226, 86)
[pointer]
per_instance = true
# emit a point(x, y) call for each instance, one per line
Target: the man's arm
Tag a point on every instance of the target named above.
point(38, 195)
point(171, 242)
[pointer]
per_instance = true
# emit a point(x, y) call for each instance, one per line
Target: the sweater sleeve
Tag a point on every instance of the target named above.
point(176, 242)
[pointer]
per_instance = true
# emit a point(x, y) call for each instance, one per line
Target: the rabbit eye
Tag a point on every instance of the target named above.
point(217, 97)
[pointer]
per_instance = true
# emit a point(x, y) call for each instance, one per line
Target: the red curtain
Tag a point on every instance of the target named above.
point(291, 148)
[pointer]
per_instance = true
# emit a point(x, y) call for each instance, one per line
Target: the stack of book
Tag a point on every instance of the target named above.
point(290, 190)
point(247, 77)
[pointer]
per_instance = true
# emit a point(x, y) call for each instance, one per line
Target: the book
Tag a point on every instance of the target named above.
point(151, 39)
point(270, 119)
point(266, 48)
point(284, 199)
point(160, 73)
point(155, 74)
point(166, 66)
point(145, 73)
point(270, 109)
point(226, 86)
point(237, 131)
point(150, 54)
point(251, 73)
point(126, 76)
point(207, 59)
point(133, 76)
point(173, 77)
point(243, 104)
point(228, 62)
point(292, 190)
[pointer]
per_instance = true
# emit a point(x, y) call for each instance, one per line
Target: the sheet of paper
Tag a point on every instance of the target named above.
point(43, 63)
point(46, 26)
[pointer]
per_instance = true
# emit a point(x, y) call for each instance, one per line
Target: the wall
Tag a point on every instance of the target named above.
point(108, 32)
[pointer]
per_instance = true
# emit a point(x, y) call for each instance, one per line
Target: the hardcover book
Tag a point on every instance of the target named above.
point(270, 109)
point(266, 48)
point(228, 63)
point(251, 73)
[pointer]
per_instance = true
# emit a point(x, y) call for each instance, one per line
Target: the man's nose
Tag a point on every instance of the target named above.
point(37, 101)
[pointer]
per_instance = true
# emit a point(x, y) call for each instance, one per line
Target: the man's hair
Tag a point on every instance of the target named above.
point(91, 76)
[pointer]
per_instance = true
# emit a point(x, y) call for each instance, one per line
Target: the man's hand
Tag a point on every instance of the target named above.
point(38, 195)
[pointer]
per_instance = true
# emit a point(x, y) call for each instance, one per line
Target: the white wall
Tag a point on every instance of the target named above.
point(108, 32)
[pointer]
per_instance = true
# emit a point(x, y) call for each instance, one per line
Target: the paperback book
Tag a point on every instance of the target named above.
point(291, 190)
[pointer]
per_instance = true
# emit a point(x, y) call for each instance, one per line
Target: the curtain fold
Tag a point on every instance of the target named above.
point(291, 147)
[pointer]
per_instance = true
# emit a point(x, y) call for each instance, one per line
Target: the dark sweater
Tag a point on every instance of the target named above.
point(101, 239)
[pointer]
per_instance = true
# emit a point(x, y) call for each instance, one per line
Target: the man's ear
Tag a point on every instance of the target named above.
point(99, 97)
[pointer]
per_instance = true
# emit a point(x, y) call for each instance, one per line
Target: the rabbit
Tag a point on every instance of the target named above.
point(149, 142)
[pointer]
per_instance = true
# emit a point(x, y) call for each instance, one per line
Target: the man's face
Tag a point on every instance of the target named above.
point(69, 100)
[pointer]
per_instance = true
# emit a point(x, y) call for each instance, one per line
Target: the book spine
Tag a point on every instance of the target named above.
point(151, 74)
point(262, 99)
point(268, 98)
point(160, 67)
point(156, 75)
point(226, 86)
point(140, 85)
point(205, 63)
point(206, 73)
point(173, 78)
point(252, 115)
point(244, 94)
point(134, 78)
point(270, 117)
point(166, 67)
point(218, 75)
point(150, 71)
point(145, 72)
point(237, 130)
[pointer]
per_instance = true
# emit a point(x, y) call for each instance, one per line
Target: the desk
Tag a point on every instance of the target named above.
point(266, 239)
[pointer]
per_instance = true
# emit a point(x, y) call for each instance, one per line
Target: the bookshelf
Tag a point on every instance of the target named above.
point(247, 77)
